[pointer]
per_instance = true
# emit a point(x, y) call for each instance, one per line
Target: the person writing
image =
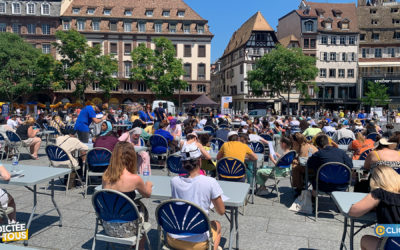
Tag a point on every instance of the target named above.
point(201, 190)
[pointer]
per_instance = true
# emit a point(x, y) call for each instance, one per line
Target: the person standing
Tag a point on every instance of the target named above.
point(86, 116)
point(160, 115)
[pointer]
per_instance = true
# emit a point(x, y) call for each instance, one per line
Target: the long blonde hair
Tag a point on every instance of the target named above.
point(360, 137)
point(123, 157)
point(386, 178)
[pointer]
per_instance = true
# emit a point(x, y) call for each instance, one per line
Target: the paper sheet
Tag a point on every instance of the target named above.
point(224, 198)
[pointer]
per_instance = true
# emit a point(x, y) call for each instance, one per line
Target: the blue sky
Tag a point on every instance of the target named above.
point(226, 16)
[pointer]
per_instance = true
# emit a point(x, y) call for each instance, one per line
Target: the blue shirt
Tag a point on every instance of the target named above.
point(361, 116)
point(167, 135)
point(85, 118)
point(144, 116)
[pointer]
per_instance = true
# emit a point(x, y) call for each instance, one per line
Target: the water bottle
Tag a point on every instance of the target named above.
point(14, 163)
point(146, 171)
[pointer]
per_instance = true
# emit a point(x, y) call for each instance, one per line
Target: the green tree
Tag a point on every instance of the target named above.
point(82, 66)
point(158, 68)
point(280, 71)
point(23, 69)
point(376, 94)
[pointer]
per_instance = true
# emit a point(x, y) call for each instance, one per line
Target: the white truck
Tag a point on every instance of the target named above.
point(168, 106)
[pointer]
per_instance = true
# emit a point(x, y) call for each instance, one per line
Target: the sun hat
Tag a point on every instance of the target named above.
point(232, 133)
point(243, 123)
point(385, 142)
point(357, 122)
point(190, 152)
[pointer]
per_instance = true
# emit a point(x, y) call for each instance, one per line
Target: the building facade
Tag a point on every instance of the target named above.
point(379, 52)
point(330, 33)
point(229, 77)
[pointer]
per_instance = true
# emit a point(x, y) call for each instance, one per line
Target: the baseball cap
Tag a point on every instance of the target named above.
point(232, 133)
point(172, 122)
point(190, 152)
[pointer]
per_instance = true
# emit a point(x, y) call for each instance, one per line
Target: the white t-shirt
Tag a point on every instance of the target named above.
point(254, 138)
point(328, 129)
point(13, 124)
point(199, 190)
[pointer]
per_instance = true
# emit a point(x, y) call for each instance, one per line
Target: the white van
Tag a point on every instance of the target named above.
point(168, 106)
point(258, 113)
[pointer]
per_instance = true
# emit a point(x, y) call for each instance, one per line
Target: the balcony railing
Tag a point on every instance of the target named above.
point(380, 74)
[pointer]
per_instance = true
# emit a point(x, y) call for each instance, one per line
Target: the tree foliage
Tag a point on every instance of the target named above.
point(82, 65)
point(280, 71)
point(23, 69)
point(158, 68)
point(376, 94)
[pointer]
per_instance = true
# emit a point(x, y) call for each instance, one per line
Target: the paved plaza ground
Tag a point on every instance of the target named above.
point(266, 224)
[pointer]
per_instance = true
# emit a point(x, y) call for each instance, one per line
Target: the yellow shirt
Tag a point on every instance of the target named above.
point(134, 118)
point(236, 150)
point(149, 129)
point(341, 114)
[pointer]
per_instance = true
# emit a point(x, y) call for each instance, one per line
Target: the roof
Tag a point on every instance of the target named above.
point(256, 23)
point(346, 11)
point(203, 100)
point(138, 8)
point(286, 41)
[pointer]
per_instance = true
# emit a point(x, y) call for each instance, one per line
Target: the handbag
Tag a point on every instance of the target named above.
point(303, 203)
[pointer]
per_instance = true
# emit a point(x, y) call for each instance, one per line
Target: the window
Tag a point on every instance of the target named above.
point(309, 26)
point(96, 86)
point(394, 10)
point(362, 37)
point(324, 40)
point(312, 43)
point(188, 71)
point(45, 9)
point(176, 49)
point(186, 28)
point(378, 53)
point(30, 8)
point(128, 67)
point(333, 39)
point(352, 40)
point(332, 56)
point(328, 25)
point(90, 11)
point(127, 27)
point(46, 29)
point(374, 21)
point(200, 29)
point(372, 11)
point(66, 25)
point(344, 57)
point(16, 8)
point(149, 13)
point(16, 28)
point(181, 13)
point(158, 27)
point(128, 13)
point(202, 51)
point(325, 56)
point(142, 27)
point(31, 28)
point(94, 44)
point(241, 69)
point(113, 48)
point(341, 73)
point(128, 86)
point(127, 48)
point(172, 28)
point(189, 88)
point(3, 27)
point(353, 57)
point(113, 26)
point(2, 7)
point(364, 53)
point(332, 73)
point(344, 26)
point(391, 52)
point(96, 25)
point(322, 73)
point(46, 48)
point(350, 73)
point(201, 88)
point(75, 10)
point(107, 12)
point(187, 51)
point(142, 87)
point(306, 43)
point(201, 71)
point(396, 21)
point(80, 25)
point(396, 35)
point(375, 36)
point(166, 13)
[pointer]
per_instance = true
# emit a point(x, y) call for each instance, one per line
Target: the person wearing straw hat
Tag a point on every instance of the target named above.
point(383, 154)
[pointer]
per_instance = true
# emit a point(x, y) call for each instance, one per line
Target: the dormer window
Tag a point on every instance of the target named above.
point(200, 29)
point(337, 13)
point(166, 13)
point(30, 9)
point(128, 13)
point(344, 25)
point(16, 8)
point(75, 10)
point(107, 12)
point(45, 9)
point(181, 13)
point(186, 28)
point(374, 21)
point(172, 28)
point(309, 26)
point(327, 24)
point(149, 13)
point(90, 11)
point(2, 7)
point(320, 13)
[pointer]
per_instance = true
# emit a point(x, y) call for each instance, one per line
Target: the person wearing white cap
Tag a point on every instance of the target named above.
point(236, 149)
point(383, 154)
point(201, 190)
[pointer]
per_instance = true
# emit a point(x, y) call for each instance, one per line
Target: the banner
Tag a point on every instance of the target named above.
point(5, 109)
point(225, 101)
